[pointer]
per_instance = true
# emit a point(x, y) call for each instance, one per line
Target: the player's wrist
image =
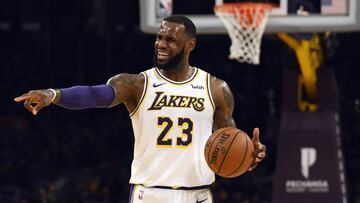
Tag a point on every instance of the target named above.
point(55, 95)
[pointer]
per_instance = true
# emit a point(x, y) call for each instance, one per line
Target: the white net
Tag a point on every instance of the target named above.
point(245, 23)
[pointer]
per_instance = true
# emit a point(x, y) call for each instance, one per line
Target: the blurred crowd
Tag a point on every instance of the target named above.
point(84, 156)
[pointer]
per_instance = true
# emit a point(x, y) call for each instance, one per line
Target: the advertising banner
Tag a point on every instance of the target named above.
point(310, 166)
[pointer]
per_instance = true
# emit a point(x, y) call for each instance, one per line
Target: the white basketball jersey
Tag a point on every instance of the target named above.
point(172, 123)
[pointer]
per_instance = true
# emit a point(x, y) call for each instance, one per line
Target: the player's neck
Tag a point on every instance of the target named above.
point(179, 73)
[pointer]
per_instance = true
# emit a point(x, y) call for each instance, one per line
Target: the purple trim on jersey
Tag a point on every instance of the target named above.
point(82, 97)
point(212, 196)
point(131, 193)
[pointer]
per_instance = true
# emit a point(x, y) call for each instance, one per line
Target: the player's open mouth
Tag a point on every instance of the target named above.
point(162, 55)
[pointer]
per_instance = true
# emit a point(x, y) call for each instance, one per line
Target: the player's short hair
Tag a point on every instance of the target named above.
point(189, 25)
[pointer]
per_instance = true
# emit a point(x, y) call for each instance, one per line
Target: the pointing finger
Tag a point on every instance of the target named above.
point(22, 97)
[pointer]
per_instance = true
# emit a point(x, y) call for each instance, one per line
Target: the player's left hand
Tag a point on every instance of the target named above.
point(259, 149)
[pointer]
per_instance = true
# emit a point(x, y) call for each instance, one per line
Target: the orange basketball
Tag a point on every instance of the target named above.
point(229, 152)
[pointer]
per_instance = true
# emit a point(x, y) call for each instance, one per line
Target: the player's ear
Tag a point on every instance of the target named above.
point(190, 45)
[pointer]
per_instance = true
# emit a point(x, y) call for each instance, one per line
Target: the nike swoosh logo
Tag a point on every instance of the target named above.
point(197, 201)
point(158, 85)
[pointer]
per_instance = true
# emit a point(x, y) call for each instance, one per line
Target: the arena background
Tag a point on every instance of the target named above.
point(84, 156)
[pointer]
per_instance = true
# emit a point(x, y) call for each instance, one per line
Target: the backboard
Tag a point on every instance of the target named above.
point(287, 16)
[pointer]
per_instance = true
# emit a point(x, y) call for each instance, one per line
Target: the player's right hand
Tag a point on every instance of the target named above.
point(35, 100)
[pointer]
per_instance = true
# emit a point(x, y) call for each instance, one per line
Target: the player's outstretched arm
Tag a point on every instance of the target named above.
point(76, 97)
point(117, 90)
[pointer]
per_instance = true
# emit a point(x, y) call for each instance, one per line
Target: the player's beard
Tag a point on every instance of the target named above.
point(171, 63)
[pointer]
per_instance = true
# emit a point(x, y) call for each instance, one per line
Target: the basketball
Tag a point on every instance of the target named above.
point(229, 152)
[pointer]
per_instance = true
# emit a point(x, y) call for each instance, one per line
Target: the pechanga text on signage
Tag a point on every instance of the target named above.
point(307, 186)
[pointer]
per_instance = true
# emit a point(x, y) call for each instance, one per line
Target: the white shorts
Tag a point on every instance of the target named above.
point(142, 194)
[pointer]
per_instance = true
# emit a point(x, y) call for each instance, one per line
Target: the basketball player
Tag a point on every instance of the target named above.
point(174, 107)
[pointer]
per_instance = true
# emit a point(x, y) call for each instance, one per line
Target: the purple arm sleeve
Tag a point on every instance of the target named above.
point(82, 97)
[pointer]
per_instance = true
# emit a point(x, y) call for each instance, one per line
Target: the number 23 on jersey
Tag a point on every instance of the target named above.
point(166, 137)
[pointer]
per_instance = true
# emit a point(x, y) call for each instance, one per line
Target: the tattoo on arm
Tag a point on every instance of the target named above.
point(125, 88)
point(223, 115)
point(221, 122)
point(229, 99)
point(125, 78)
point(130, 80)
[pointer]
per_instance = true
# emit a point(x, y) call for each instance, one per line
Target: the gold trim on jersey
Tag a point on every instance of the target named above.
point(142, 95)
point(208, 90)
point(193, 76)
point(211, 197)
point(133, 195)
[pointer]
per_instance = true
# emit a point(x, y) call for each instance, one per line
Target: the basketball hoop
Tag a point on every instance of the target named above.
point(245, 23)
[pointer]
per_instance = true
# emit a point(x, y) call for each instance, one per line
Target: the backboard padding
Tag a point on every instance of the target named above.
point(278, 22)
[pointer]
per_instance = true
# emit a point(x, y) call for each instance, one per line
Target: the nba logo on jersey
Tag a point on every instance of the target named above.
point(165, 8)
point(141, 194)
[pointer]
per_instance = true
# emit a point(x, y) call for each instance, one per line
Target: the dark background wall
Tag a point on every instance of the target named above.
point(84, 156)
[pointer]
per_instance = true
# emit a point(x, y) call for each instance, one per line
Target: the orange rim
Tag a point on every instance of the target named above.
point(246, 9)
point(231, 7)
